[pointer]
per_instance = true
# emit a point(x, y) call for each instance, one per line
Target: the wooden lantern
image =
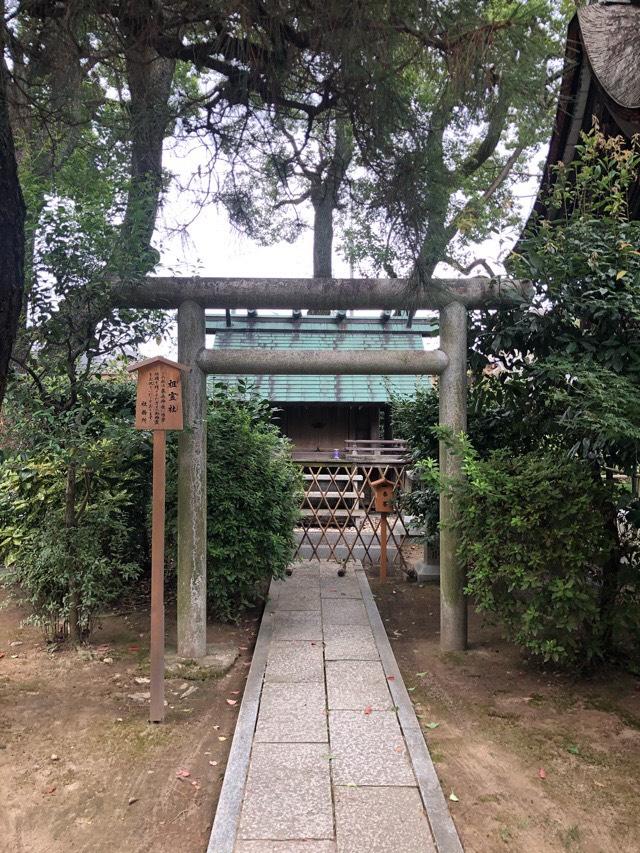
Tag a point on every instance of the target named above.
point(383, 491)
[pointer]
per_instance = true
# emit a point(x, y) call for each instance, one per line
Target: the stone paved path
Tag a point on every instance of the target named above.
point(330, 769)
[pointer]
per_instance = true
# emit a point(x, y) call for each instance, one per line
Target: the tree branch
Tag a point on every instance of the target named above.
point(497, 122)
point(466, 270)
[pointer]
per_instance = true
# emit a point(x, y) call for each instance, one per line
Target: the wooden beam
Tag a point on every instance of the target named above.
point(259, 360)
point(319, 293)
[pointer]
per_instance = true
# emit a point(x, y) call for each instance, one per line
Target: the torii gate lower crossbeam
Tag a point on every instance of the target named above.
point(452, 297)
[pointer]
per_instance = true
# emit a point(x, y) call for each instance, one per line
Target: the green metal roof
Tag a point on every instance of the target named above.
point(355, 333)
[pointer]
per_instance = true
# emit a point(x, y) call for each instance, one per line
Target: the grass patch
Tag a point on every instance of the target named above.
point(602, 703)
point(570, 837)
point(136, 738)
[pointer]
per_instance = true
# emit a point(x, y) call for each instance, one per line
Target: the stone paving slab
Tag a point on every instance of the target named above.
point(381, 820)
point(336, 587)
point(286, 847)
point(295, 661)
point(288, 793)
point(298, 598)
point(292, 713)
point(368, 749)
point(343, 612)
point(356, 685)
point(330, 567)
point(297, 625)
point(297, 582)
point(349, 642)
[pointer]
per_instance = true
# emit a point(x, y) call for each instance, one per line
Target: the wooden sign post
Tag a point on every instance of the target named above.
point(158, 408)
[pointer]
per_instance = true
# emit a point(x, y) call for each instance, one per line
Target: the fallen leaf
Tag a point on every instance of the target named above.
point(134, 648)
point(421, 674)
point(50, 790)
point(183, 774)
point(221, 737)
point(391, 678)
point(367, 710)
point(132, 800)
point(213, 763)
point(196, 785)
point(432, 725)
point(235, 692)
point(1, 655)
point(411, 689)
point(231, 701)
point(142, 680)
point(542, 773)
point(453, 798)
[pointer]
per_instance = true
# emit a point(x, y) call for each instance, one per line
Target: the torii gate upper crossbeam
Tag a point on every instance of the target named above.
point(319, 293)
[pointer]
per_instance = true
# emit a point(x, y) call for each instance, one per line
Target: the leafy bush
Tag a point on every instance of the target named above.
point(253, 501)
point(69, 558)
point(534, 545)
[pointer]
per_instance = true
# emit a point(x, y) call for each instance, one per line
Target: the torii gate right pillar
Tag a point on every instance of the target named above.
point(453, 414)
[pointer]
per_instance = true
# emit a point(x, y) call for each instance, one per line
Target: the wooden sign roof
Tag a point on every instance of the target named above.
point(157, 359)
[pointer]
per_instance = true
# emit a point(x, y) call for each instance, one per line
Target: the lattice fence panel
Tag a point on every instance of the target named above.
point(338, 512)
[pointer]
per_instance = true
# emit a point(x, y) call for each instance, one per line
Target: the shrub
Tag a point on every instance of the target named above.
point(534, 544)
point(69, 571)
point(253, 501)
point(537, 548)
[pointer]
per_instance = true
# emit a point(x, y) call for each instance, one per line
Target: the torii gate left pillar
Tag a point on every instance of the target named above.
point(192, 488)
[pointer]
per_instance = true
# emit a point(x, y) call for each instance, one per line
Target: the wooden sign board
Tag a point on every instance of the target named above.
point(159, 394)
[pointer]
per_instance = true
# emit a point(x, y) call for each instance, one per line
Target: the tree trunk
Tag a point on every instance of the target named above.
point(70, 523)
point(149, 77)
point(322, 238)
point(12, 216)
point(325, 197)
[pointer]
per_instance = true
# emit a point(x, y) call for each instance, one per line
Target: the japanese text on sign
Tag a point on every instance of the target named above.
point(159, 397)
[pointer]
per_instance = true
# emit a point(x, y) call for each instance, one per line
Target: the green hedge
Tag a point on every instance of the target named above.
point(254, 495)
point(535, 548)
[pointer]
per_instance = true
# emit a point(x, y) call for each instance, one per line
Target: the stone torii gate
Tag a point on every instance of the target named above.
point(191, 296)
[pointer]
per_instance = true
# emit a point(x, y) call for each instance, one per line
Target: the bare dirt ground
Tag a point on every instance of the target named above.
point(81, 769)
point(538, 761)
